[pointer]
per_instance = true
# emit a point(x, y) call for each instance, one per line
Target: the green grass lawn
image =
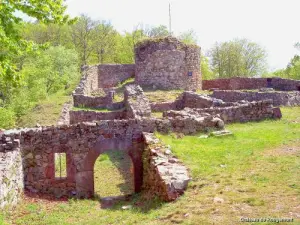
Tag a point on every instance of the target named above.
point(253, 174)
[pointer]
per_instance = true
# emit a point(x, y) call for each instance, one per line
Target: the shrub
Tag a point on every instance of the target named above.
point(7, 118)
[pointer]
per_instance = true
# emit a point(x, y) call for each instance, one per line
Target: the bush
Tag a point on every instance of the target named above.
point(7, 118)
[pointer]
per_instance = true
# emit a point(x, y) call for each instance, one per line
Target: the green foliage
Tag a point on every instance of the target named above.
point(11, 43)
point(53, 69)
point(44, 74)
point(239, 57)
point(188, 37)
point(159, 31)
point(207, 73)
point(292, 71)
point(7, 118)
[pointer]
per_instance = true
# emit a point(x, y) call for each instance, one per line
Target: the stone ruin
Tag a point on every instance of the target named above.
point(27, 156)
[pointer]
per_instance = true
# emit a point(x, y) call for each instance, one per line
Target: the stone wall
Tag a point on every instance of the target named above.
point(82, 143)
point(278, 97)
point(164, 175)
point(182, 123)
point(163, 106)
point(112, 74)
point(90, 116)
point(93, 101)
point(243, 83)
point(11, 173)
point(136, 103)
point(27, 160)
point(88, 82)
point(191, 100)
point(167, 63)
point(249, 111)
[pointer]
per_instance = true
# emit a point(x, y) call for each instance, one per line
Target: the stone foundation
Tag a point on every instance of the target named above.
point(191, 100)
point(244, 83)
point(90, 116)
point(246, 112)
point(278, 97)
point(93, 101)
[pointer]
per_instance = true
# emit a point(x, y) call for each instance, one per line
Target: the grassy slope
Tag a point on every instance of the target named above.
point(255, 173)
point(46, 112)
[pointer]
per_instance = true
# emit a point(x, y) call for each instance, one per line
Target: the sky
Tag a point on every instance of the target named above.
point(274, 24)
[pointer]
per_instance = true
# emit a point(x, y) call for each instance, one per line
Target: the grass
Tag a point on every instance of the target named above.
point(252, 174)
point(119, 94)
point(161, 95)
point(166, 95)
point(115, 168)
point(46, 112)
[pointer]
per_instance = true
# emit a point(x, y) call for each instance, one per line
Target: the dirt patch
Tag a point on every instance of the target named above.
point(284, 150)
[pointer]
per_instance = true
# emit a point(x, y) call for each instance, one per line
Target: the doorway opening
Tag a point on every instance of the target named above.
point(113, 175)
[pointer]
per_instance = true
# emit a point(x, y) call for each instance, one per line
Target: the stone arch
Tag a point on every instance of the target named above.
point(85, 177)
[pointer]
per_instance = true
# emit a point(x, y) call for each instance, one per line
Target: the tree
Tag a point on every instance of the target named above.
point(239, 57)
point(82, 37)
point(292, 71)
point(104, 38)
point(188, 37)
point(11, 43)
point(52, 70)
point(159, 31)
point(207, 73)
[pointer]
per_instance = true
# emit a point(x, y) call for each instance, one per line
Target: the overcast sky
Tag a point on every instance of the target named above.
point(274, 24)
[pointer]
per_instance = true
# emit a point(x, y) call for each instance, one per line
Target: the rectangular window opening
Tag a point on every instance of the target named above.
point(60, 165)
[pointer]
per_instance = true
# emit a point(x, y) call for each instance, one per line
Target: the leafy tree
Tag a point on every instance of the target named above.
point(54, 69)
point(82, 34)
point(292, 71)
point(159, 31)
point(104, 38)
point(239, 57)
point(207, 73)
point(40, 33)
point(188, 37)
point(11, 43)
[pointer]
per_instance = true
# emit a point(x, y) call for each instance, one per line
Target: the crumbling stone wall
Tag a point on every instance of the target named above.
point(183, 123)
point(90, 116)
point(112, 74)
point(136, 103)
point(164, 175)
point(93, 101)
point(167, 63)
point(278, 97)
point(11, 173)
point(88, 82)
point(191, 100)
point(244, 112)
point(28, 160)
point(82, 143)
point(244, 83)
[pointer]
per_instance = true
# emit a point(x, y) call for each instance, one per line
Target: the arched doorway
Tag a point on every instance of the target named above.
point(85, 177)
